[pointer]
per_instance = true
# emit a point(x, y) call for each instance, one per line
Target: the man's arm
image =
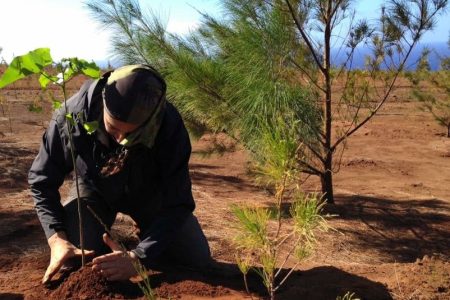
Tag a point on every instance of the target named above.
point(52, 164)
point(46, 176)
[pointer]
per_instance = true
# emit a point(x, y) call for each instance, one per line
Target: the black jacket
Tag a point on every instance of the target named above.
point(154, 187)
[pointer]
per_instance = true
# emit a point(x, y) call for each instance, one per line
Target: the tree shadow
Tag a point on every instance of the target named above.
point(196, 166)
point(399, 230)
point(328, 282)
point(404, 230)
point(210, 179)
point(11, 296)
point(15, 162)
point(19, 231)
point(317, 283)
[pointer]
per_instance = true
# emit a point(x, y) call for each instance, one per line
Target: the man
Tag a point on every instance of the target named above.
point(136, 163)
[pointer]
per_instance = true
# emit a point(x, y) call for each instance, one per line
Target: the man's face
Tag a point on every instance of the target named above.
point(116, 128)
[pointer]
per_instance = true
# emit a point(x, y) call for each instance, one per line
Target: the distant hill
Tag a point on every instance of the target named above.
point(437, 49)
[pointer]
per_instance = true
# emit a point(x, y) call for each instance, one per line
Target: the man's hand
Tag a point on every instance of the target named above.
point(60, 251)
point(117, 265)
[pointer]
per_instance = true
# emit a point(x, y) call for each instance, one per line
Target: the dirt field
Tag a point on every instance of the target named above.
point(392, 217)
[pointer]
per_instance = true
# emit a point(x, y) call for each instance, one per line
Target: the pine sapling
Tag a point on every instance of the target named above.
point(263, 233)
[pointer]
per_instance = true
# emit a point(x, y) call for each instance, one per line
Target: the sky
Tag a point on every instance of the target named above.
point(66, 27)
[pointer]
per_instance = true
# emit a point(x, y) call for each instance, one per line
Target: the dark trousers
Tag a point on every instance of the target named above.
point(189, 246)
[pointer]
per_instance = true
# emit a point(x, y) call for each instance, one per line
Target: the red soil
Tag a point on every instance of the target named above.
point(392, 217)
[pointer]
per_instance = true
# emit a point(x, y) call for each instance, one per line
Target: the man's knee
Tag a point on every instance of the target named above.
point(191, 246)
point(94, 220)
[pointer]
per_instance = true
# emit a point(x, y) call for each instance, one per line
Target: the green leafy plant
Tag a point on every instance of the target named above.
point(35, 62)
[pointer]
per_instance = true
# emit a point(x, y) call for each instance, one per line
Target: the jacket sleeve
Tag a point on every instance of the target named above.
point(46, 176)
point(173, 151)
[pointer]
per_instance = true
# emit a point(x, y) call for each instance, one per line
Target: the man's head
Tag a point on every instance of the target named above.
point(131, 96)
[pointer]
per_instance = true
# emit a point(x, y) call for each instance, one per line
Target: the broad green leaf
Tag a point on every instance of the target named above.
point(90, 69)
point(91, 127)
point(45, 79)
point(78, 66)
point(21, 66)
point(69, 118)
point(56, 105)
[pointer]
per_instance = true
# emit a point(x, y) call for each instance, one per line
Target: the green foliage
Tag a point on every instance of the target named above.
point(76, 66)
point(266, 61)
point(253, 227)
point(222, 77)
point(34, 62)
point(56, 105)
point(445, 60)
point(277, 152)
point(244, 264)
point(21, 66)
point(45, 79)
point(264, 75)
point(306, 213)
point(423, 64)
point(90, 127)
point(259, 241)
point(144, 285)
point(70, 119)
point(445, 64)
point(438, 106)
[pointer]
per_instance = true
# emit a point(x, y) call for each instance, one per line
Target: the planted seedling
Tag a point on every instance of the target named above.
point(35, 62)
point(266, 240)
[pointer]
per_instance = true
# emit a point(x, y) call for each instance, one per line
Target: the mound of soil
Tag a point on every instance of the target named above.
point(361, 162)
point(87, 284)
point(172, 284)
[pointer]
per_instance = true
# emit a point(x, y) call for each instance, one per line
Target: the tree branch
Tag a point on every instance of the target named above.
point(307, 74)
point(311, 170)
point(304, 36)
point(380, 104)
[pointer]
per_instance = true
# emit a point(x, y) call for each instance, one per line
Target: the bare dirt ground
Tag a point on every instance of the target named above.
point(392, 216)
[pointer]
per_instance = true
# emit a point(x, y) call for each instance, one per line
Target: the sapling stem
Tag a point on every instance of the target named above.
point(72, 153)
point(287, 257)
point(280, 196)
point(246, 285)
point(140, 269)
point(286, 277)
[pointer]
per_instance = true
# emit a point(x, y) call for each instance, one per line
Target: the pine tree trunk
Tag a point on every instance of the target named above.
point(327, 175)
point(327, 181)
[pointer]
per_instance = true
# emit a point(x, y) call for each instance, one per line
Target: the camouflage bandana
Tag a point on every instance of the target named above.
point(136, 94)
point(146, 134)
